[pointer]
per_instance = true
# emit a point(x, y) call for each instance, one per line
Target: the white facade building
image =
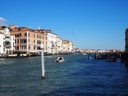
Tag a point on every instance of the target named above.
point(59, 45)
point(2, 50)
point(51, 43)
point(7, 42)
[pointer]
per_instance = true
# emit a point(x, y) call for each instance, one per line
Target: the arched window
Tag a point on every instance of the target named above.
point(25, 34)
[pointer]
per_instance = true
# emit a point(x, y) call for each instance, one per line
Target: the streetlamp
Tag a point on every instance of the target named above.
point(42, 61)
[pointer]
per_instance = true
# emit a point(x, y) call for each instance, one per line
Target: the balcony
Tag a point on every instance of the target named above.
point(7, 37)
point(7, 44)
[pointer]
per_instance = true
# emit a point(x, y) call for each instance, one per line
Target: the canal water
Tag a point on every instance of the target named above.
point(76, 76)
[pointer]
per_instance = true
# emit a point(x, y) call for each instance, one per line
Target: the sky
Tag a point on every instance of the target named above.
point(89, 24)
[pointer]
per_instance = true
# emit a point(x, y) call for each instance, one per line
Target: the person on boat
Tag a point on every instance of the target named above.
point(61, 58)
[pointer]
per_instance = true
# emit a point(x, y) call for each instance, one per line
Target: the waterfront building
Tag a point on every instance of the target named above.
point(78, 50)
point(51, 42)
point(68, 46)
point(65, 45)
point(126, 40)
point(27, 40)
point(7, 41)
point(59, 45)
point(44, 39)
point(71, 46)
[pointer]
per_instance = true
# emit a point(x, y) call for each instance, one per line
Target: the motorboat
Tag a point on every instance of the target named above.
point(59, 59)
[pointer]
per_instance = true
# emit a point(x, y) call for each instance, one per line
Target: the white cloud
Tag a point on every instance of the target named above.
point(3, 22)
point(2, 19)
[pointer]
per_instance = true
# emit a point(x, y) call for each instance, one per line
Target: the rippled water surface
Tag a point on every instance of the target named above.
point(76, 76)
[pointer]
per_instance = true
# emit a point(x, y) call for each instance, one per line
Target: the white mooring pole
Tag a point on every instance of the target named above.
point(42, 61)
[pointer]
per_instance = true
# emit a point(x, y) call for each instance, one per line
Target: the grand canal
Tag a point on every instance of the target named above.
point(76, 76)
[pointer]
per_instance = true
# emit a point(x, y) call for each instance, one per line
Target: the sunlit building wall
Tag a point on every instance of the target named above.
point(7, 42)
point(27, 40)
point(51, 42)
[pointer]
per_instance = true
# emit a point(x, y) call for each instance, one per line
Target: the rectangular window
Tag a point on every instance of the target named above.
point(34, 47)
point(38, 42)
point(25, 34)
point(29, 47)
point(17, 40)
point(4, 49)
point(25, 41)
point(17, 35)
point(25, 47)
point(20, 34)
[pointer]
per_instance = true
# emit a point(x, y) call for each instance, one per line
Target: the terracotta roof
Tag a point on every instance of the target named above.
point(2, 28)
point(65, 41)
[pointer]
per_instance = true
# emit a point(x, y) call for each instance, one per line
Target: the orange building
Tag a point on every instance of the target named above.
point(27, 39)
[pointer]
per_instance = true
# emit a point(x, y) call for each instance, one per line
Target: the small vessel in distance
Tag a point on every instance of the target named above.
point(84, 53)
point(59, 59)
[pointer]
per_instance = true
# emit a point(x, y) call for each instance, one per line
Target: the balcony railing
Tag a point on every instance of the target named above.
point(7, 44)
point(7, 37)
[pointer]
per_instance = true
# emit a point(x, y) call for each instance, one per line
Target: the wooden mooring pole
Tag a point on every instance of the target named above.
point(88, 56)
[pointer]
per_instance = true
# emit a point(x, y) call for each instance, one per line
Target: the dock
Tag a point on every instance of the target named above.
point(110, 57)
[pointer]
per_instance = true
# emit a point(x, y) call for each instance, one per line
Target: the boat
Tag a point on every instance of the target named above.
point(59, 59)
point(84, 53)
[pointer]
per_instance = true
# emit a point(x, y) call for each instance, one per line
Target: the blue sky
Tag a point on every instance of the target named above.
point(90, 24)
